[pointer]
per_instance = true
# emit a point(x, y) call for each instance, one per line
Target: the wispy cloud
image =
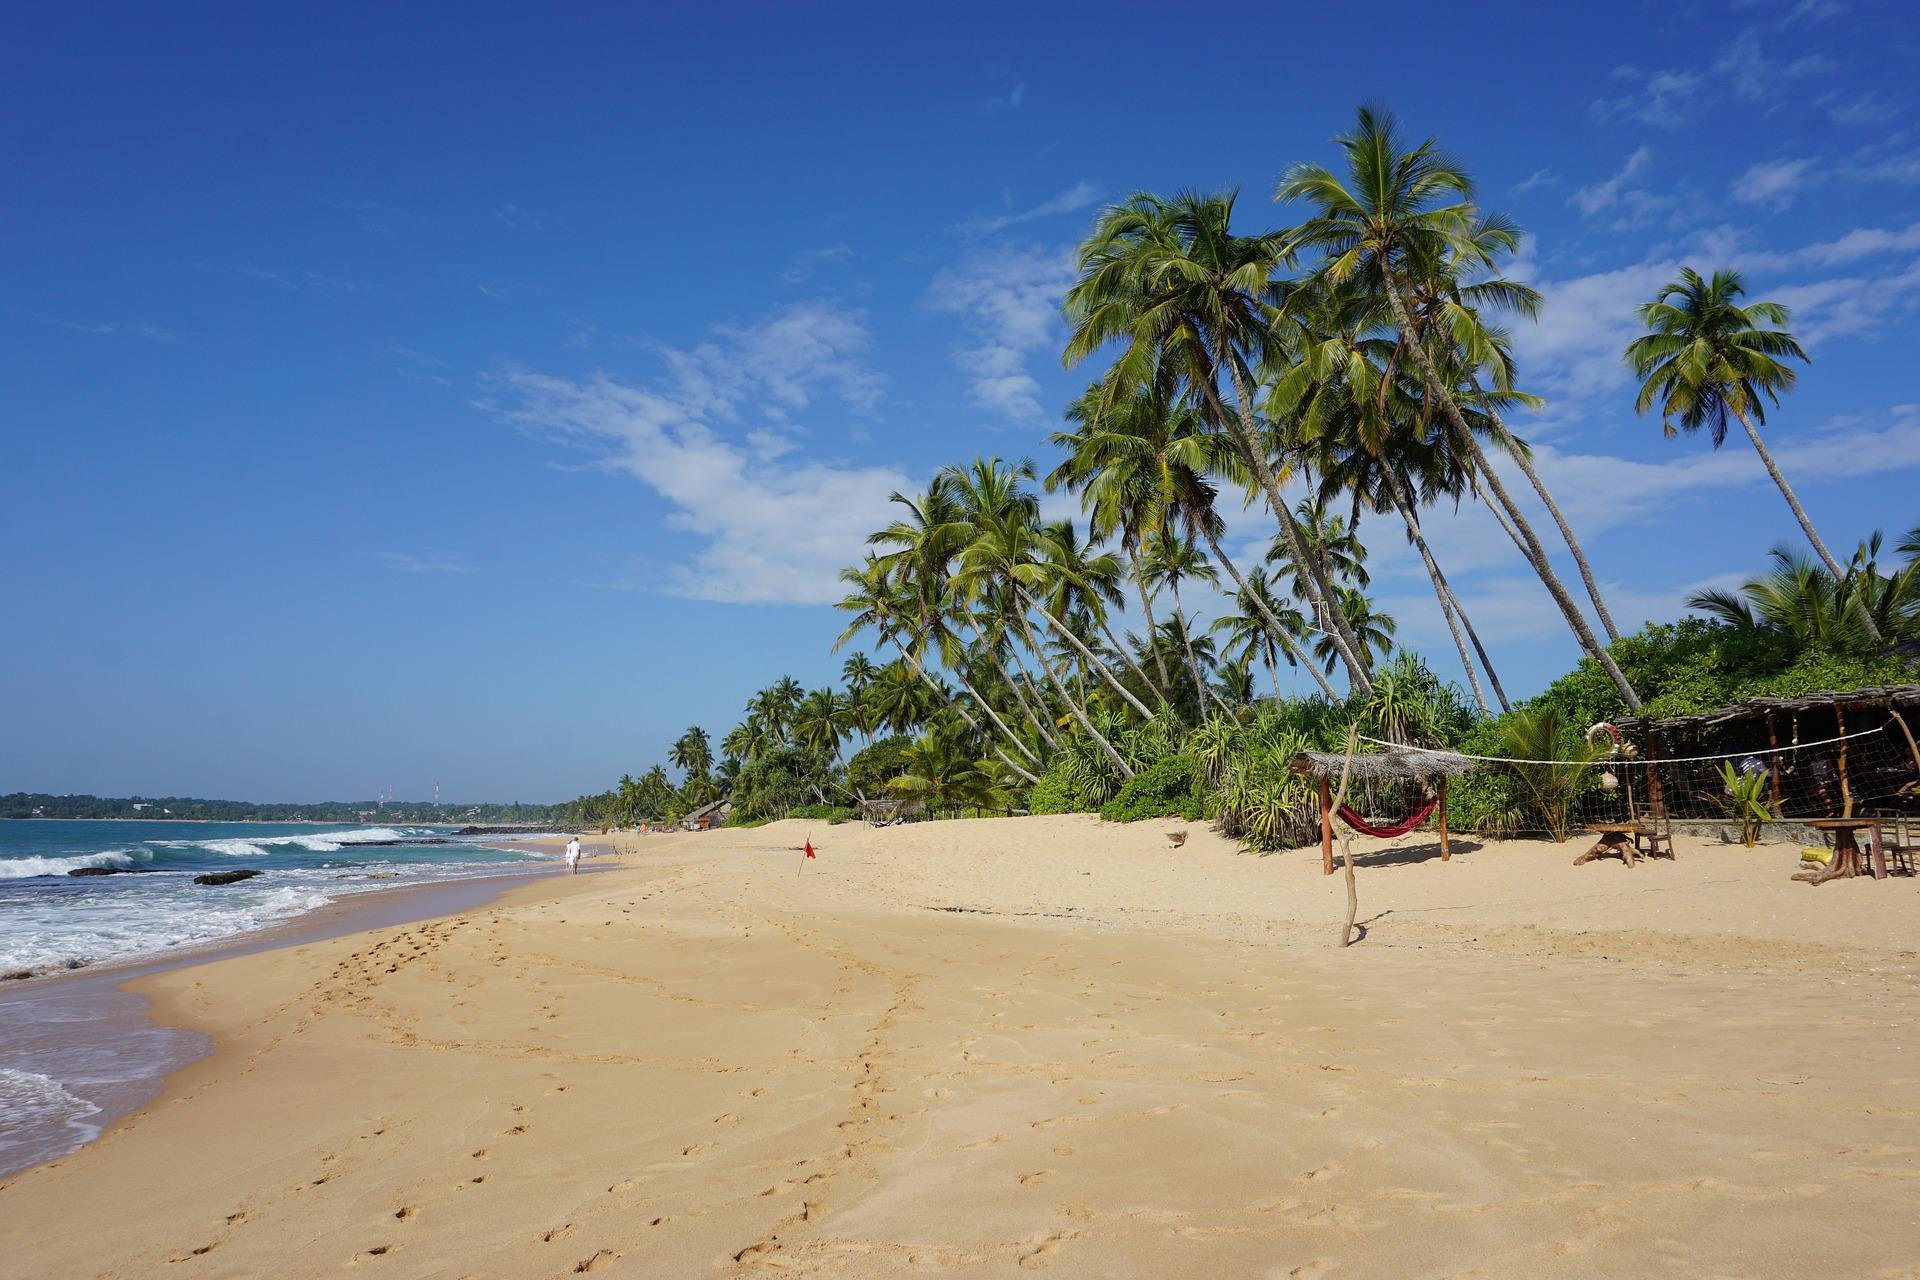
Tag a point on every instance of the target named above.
point(1074, 198)
point(302, 281)
point(431, 562)
point(420, 366)
point(773, 525)
point(1009, 300)
point(1663, 99)
point(1624, 199)
point(1856, 108)
point(1754, 76)
point(1775, 183)
point(110, 328)
point(370, 215)
point(515, 218)
point(1534, 181)
point(801, 266)
point(1010, 100)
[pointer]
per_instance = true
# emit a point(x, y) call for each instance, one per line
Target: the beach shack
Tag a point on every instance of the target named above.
point(708, 816)
point(1833, 754)
point(1419, 772)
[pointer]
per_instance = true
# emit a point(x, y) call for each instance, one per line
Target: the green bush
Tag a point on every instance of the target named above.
point(1056, 793)
point(833, 813)
point(1164, 789)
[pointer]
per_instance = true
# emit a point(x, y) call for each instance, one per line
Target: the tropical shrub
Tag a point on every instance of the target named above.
point(1056, 793)
point(1744, 801)
point(1164, 789)
point(833, 813)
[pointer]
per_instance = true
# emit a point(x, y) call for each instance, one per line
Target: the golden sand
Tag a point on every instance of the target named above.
point(1043, 1044)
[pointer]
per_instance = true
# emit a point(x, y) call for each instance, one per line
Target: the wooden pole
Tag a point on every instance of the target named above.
point(1326, 828)
point(1913, 748)
point(1446, 852)
point(1846, 790)
point(1656, 799)
point(1773, 766)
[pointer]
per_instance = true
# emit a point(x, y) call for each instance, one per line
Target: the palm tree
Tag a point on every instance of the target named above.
point(1248, 634)
point(1798, 604)
point(1393, 231)
point(693, 753)
point(1706, 358)
point(877, 603)
point(1190, 303)
point(1374, 629)
point(1169, 560)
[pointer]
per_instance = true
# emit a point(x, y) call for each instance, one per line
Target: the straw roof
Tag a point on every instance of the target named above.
point(1905, 695)
point(1396, 764)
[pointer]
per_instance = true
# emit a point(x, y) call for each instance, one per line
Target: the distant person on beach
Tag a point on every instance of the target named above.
point(573, 856)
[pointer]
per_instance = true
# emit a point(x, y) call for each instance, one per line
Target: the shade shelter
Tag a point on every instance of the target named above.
point(1431, 769)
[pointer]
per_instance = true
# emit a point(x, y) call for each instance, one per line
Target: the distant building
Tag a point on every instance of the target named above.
point(708, 816)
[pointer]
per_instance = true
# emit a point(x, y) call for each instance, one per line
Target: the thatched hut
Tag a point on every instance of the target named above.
point(1830, 754)
point(1429, 768)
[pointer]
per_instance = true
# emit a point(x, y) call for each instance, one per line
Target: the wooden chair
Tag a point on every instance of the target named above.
point(1899, 838)
point(1657, 833)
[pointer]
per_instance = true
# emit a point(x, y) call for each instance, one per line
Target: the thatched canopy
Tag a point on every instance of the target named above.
point(1396, 764)
point(1901, 696)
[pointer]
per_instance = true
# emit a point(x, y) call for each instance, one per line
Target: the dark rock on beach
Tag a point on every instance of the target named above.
point(112, 871)
point(226, 877)
point(496, 831)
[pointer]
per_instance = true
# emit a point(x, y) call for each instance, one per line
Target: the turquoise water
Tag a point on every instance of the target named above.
point(51, 920)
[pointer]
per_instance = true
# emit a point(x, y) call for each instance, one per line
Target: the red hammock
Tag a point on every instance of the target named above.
point(1399, 828)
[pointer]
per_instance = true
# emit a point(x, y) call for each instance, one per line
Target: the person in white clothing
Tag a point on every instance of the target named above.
point(573, 856)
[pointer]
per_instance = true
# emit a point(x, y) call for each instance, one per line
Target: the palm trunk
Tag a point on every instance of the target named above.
point(971, 722)
point(1519, 455)
point(1074, 640)
point(1806, 522)
point(994, 716)
point(1557, 589)
point(1401, 505)
point(1274, 626)
point(1273, 671)
point(1202, 690)
point(1319, 593)
point(1133, 663)
point(1020, 697)
point(1146, 607)
point(1079, 713)
point(1466, 623)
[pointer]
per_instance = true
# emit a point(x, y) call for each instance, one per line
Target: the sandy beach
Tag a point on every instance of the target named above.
point(1040, 1044)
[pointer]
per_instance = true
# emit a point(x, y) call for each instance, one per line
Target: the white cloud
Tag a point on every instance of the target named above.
point(111, 328)
point(1538, 178)
point(1623, 197)
point(1753, 76)
point(1825, 309)
point(1008, 101)
point(1856, 108)
point(1074, 198)
point(774, 527)
point(431, 562)
point(1662, 99)
point(802, 265)
point(1010, 301)
point(1774, 183)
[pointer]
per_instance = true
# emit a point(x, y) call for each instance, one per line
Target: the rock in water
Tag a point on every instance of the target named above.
point(226, 877)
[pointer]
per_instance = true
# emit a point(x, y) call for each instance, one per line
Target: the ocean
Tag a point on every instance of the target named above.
point(74, 1054)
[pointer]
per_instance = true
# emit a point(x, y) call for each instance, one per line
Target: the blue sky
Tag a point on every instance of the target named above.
point(479, 395)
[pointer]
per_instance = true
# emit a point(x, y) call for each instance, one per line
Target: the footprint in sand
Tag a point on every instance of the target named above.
point(1324, 1172)
point(1315, 1270)
point(377, 1251)
point(596, 1262)
point(548, 1237)
point(404, 1212)
point(696, 1148)
point(516, 1130)
point(1035, 1179)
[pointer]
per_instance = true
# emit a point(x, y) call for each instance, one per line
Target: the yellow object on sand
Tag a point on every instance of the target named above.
point(1816, 853)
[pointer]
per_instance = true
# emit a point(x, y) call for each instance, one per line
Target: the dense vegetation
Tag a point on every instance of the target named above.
point(1362, 355)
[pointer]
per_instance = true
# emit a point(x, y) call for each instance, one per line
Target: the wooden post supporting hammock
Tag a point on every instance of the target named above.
point(1396, 764)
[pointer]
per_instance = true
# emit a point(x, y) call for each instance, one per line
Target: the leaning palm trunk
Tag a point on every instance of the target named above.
point(1146, 607)
point(1274, 627)
point(1039, 723)
point(1440, 592)
point(1535, 553)
point(1466, 624)
point(1319, 592)
point(1566, 530)
point(973, 724)
point(1105, 671)
point(994, 716)
point(1202, 690)
point(1133, 663)
point(1806, 523)
point(1079, 712)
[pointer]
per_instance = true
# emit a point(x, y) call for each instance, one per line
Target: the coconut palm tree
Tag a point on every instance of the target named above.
point(1374, 629)
point(1169, 560)
point(1191, 305)
point(692, 753)
point(877, 603)
point(1249, 635)
point(1705, 359)
point(1403, 222)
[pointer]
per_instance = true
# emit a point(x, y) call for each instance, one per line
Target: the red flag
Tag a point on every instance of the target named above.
point(810, 852)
